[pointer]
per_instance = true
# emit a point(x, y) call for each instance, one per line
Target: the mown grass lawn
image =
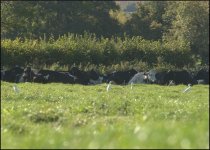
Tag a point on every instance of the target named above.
point(76, 116)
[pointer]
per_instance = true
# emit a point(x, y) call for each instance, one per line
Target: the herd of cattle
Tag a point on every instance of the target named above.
point(77, 76)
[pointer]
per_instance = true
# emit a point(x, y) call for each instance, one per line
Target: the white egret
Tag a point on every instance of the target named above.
point(108, 86)
point(187, 89)
point(131, 85)
point(16, 89)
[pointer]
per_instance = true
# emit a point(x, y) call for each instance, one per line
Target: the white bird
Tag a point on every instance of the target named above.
point(187, 89)
point(16, 89)
point(131, 85)
point(108, 86)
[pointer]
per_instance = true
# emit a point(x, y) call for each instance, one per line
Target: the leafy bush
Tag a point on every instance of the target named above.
point(87, 49)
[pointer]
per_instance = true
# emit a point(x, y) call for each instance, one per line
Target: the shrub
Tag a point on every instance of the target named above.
point(87, 49)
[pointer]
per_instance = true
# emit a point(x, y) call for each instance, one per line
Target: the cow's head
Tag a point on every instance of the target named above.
point(151, 76)
point(75, 71)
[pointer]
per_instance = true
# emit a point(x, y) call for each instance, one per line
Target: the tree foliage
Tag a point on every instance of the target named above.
point(147, 21)
point(177, 21)
point(190, 22)
point(164, 21)
point(34, 18)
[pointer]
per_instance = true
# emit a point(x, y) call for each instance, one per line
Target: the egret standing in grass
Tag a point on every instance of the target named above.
point(131, 85)
point(108, 86)
point(187, 89)
point(16, 89)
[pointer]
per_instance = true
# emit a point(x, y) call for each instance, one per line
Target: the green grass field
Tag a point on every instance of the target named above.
point(76, 116)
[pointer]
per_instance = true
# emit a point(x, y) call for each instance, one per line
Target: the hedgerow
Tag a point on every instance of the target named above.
point(87, 49)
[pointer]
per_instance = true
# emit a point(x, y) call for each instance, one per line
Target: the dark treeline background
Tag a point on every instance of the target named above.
point(162, 21)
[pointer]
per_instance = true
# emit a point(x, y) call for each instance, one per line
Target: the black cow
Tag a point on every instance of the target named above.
point(203, 74)
point(28, 75)
point(139, 78)
point(39, 78)
point(82, 76)
point(121, 77)
point(85, 78)
point(48, 76)
point(161, 78)
point(2, 74)
point(93, 75)
point(179, 77)
point(12, 75)
point(95, 78)
point(157, 77)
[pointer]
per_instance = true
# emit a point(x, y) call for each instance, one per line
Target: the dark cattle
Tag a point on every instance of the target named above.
point(85, 78)
point(179, 77)
point(12, 75)
point(203, 74)
point(105, 78)
point(93, 75)
point(139, 78)
point(156, 77)
point(2, 74)
point(28, 75)
point(165, 78)
point(161, 78)
point(39, 78)
point(121, 77)
point(48, 76)
point(151, 76)
point(82, 76)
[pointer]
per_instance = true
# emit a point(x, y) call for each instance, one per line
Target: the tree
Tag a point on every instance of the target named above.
point(190, 22)
point(36, 18)
point(147, 21)
point(131, 7)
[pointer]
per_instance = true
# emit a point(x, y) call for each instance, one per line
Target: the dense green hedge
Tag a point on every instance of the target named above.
point(82, 49)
